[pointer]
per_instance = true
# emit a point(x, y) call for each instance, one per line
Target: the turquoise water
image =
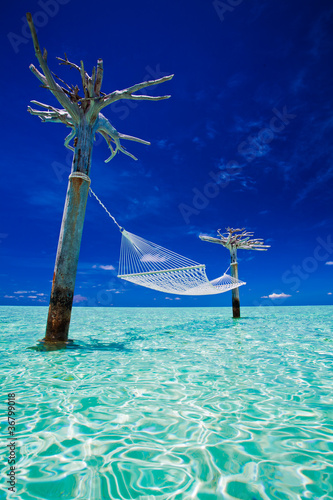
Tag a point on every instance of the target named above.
point(171, 404)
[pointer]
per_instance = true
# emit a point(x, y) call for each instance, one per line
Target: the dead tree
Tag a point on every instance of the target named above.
point(236, 239)
point(81, 112)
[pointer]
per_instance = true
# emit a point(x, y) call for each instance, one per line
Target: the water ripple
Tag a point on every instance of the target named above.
point(172, 404)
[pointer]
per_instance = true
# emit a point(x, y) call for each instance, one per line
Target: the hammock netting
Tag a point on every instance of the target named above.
point(147, 264)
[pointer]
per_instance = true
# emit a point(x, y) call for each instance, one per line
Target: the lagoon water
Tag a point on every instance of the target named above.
point(171, 403)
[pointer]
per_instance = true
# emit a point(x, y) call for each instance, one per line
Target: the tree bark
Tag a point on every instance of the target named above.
point(235, 291)
point(64, 276)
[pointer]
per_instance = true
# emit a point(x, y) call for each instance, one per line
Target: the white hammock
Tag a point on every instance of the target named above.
point(147, 264)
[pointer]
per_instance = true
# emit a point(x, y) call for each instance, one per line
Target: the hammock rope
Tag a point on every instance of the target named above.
point(106, 210)
point(147, 264)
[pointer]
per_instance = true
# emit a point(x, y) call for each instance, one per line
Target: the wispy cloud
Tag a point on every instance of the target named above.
point(211, 131)
point(47, 199)
point(198, 142)
point(147, 205)
point(320, 179)
point(236, 173)
point(165, 144)
point(79, 298)
point(329, 263)
point(245, 126)
point(153, 258)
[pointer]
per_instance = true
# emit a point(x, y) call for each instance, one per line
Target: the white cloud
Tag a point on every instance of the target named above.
point(329, 263)
point(329, 293)
point(153, 258)
point(32, 296)
point(79, 298)
point(278, 295)
point(9, 297)
point(107, 267)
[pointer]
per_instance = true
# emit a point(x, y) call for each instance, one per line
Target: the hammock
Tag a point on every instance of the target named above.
point(152, 266)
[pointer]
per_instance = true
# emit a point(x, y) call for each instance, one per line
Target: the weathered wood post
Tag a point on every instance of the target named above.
point(83, 115)
point(234, 291)
point(235, 239)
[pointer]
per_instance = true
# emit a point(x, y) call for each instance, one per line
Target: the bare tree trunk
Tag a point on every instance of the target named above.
point(70, 240)
point(235, 291)
point(82, 113)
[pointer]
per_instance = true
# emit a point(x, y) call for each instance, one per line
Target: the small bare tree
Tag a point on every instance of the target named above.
point(81, 111)
point(236, 239)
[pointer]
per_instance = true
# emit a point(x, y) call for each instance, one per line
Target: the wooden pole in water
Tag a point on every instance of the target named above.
point(69, 243)
point(82, 113)
point(234, 291)
point(235, 239)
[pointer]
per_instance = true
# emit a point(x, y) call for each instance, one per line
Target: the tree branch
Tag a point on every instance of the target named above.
point(66, 62)
point(146, 97)
point(135, 139)
point(241, 241)
point(84, 78)
point(52, 114)
point(69, 138)
point(127, 93)
point(38, 74)
point(99, 77)
point(53, 86)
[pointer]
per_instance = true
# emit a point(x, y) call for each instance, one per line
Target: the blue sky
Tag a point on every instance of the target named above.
point(244, 141)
